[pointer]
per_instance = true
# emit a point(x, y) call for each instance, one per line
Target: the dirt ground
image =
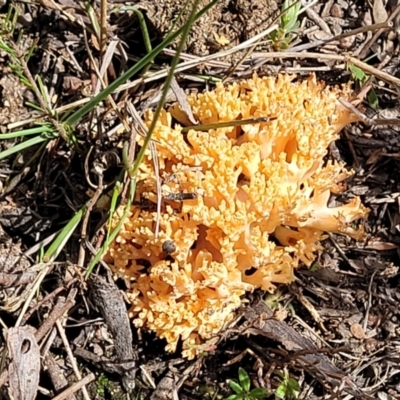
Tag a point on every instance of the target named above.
point(333, 333)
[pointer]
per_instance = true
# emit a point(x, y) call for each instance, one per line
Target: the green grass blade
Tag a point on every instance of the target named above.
point(115, 232)
point(132, 171)
point(142, 23)
point(62, 238)
point(43, 92)
point(186, 29)
point(26, 132)
point(35, 106)
point(19, 37)
point(22, 146)
point(113, 206)
point(93, 18)
point(178, 17)
point(31, 50)
point(145, 32)
point(75, 117)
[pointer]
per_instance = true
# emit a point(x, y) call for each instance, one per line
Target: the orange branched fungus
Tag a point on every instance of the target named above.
point(241, 206)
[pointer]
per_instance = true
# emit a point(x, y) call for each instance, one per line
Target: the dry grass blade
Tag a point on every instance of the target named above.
point(363, 52)
point(227, 124)
point(381, 26)
point(103, 29)
point(31, 291)
point(142, 128)
point(72, 359)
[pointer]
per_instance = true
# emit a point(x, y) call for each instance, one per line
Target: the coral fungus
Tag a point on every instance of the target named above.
point(241, 206)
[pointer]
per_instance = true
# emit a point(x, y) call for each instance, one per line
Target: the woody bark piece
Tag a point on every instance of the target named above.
point(56, 375)
point(7, 280)
point(61, 307)
point(108, 299)
point(25, 366)
point(305, 352)
point(165, 388)
point(103, 362)
point(292, 341)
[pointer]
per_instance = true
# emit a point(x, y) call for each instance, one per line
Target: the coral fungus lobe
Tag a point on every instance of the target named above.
point(260, 209)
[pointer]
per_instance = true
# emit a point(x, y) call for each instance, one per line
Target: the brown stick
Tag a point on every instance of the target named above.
point(61, 307)
point(75, 387)
point(56, 375)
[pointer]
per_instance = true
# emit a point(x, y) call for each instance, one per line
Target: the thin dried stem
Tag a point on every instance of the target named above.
point(60, 129)
point(363, 29)
point(143, 128)
point(364, 51)
point(75, 387)
point(71, 357)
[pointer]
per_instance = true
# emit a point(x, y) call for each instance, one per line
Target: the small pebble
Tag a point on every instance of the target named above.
point(168, 247)
point(357, 331)
point(347, 42)
point(337, 11)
